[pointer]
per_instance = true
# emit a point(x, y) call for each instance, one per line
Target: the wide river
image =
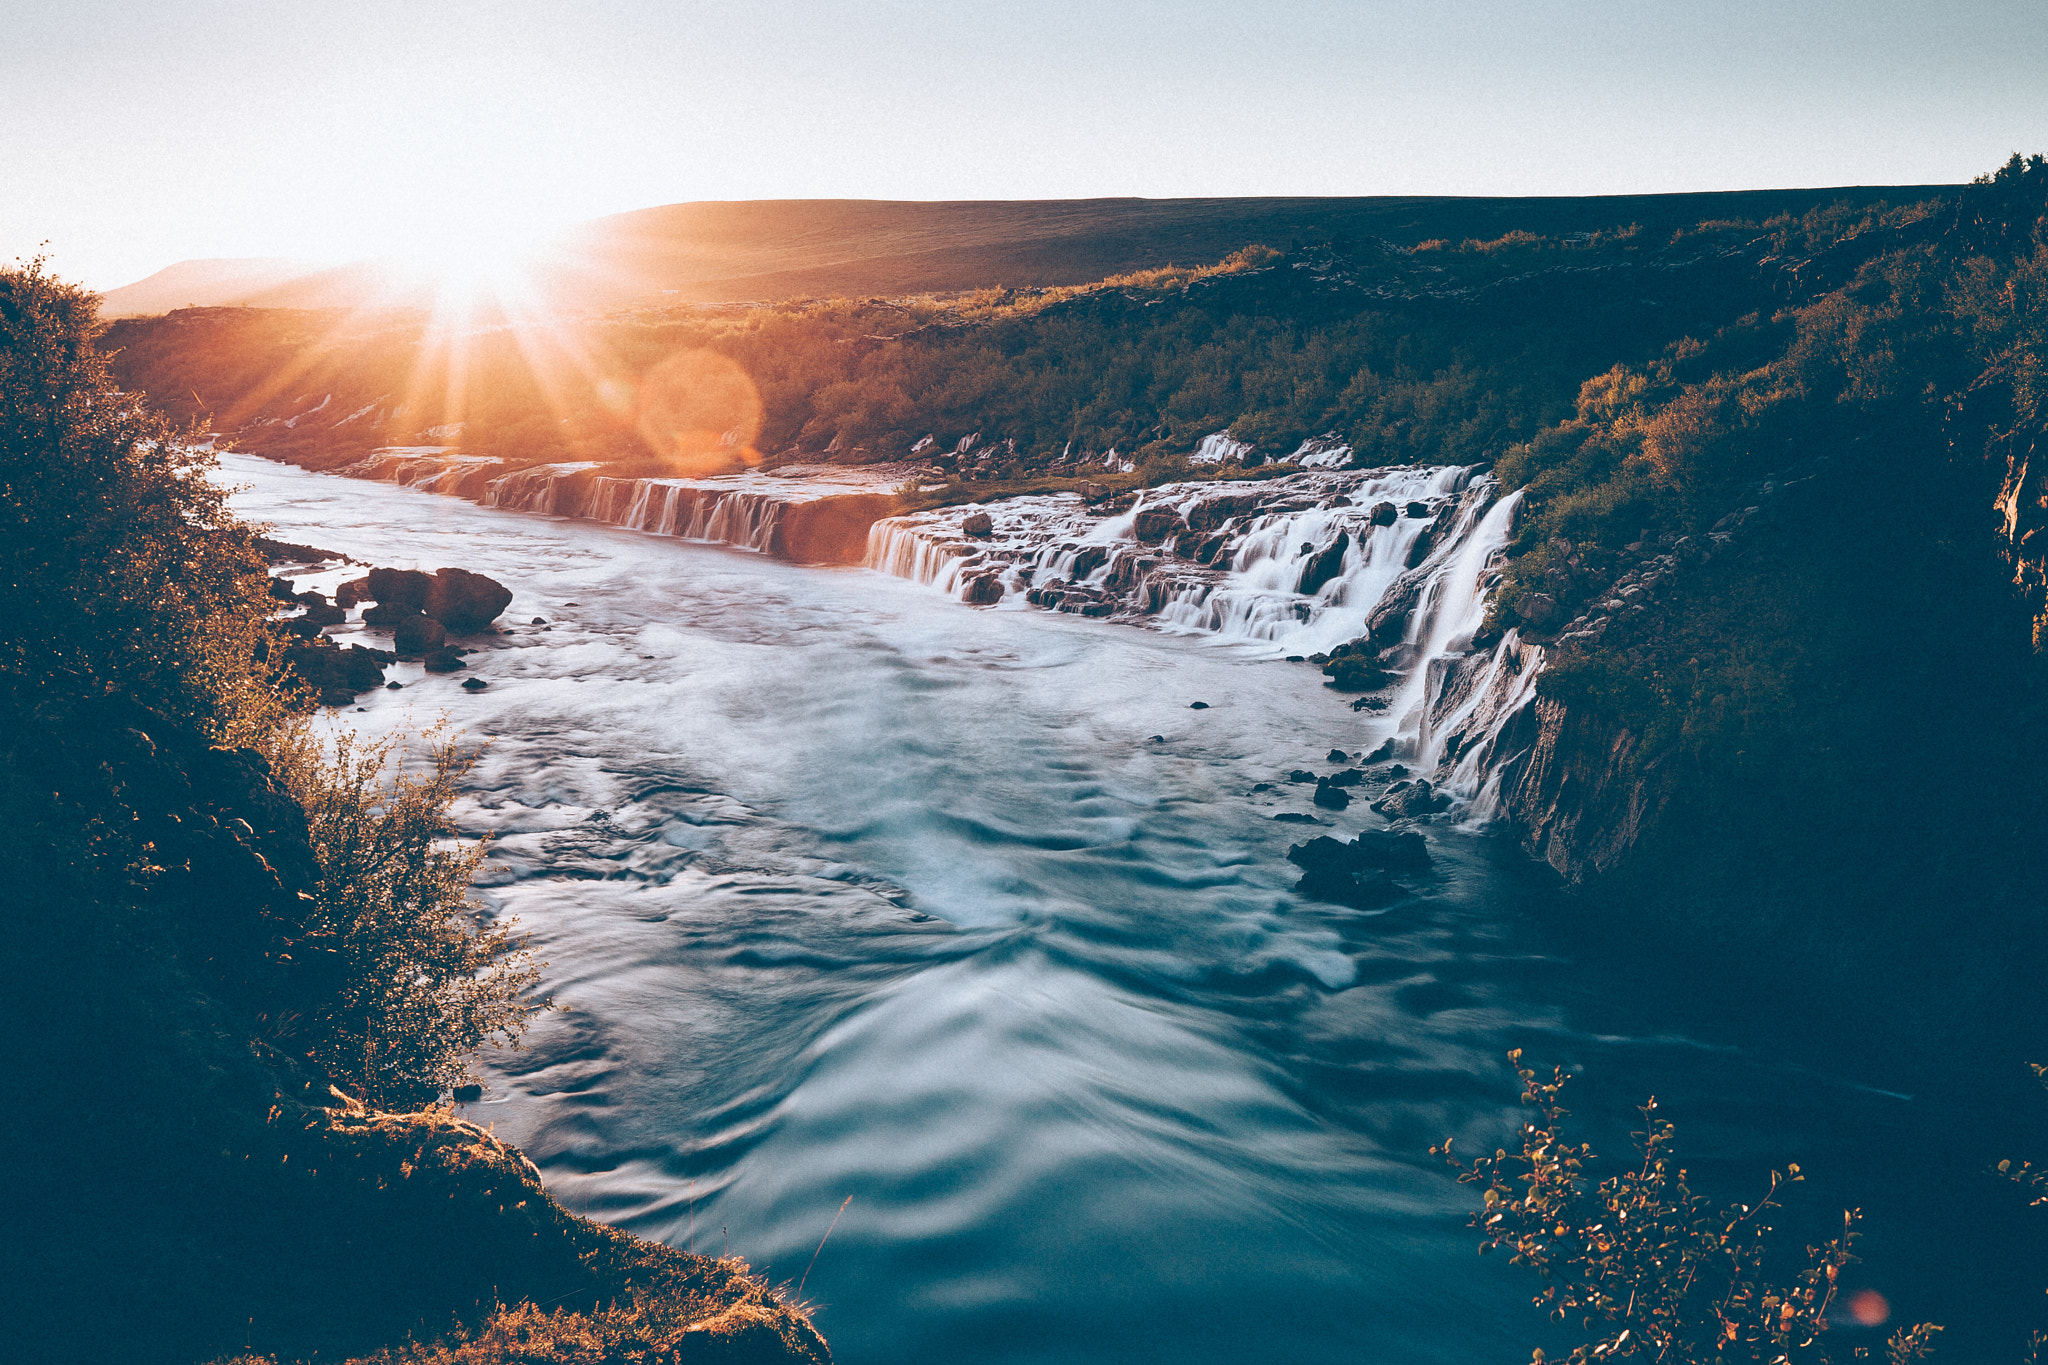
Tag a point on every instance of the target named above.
point(849, 890)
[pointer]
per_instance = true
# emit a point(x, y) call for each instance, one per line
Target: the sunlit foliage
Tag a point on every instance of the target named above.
point(423, 982)
point(1651, 1268)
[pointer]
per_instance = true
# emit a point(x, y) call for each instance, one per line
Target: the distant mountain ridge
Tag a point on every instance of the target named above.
point(202, 283)
point(771, 249)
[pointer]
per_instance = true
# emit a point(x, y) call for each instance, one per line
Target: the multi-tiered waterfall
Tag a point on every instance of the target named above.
point(1395, 562)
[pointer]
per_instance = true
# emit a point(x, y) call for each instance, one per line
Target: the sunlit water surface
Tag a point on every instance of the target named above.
point(851, 890)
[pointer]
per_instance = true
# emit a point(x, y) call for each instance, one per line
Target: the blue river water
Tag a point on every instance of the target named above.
point(848, 890)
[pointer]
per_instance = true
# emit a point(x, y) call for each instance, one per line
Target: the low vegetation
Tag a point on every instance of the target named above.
point(1652, 1268)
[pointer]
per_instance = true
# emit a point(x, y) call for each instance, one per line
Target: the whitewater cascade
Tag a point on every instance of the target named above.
point(1397, 563)
point(798, 512)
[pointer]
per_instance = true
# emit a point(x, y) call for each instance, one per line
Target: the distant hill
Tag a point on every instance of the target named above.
point(723, 252)
point(202, 284)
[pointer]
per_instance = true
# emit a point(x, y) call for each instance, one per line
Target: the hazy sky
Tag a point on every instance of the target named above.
point(135, 133)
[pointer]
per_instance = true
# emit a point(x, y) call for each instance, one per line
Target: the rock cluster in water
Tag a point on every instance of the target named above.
point(1359, 874)
point(421, 610)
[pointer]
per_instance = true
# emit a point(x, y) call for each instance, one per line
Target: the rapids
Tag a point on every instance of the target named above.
point(848, 889)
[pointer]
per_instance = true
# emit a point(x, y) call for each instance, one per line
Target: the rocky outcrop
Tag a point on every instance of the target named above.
point(1578, 799)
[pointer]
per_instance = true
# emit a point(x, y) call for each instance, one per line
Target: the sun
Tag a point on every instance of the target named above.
point(467, 261)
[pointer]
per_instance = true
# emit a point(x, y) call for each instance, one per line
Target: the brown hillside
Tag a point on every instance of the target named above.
point(777, 249)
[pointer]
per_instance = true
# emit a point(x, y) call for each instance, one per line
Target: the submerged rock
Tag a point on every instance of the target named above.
point(1356, 874)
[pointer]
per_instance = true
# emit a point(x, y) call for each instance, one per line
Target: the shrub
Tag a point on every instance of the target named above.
point(1650, 1265)
point(122, 567)
point(424, 982)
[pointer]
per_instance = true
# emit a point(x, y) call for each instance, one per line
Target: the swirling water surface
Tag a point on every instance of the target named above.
point(850, 890)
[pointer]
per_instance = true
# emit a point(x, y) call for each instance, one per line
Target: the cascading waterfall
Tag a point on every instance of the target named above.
point(748, 511)
point(1295, 566)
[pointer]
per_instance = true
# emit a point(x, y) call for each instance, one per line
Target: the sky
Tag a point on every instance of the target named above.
point(137, 133)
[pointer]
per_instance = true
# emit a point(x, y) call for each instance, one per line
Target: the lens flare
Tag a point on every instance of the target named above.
point(1869, 1308)
point(699, 413)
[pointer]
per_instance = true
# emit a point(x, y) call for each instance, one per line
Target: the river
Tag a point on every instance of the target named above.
point(849, 889)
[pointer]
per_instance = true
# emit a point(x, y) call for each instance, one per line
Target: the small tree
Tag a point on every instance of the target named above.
point(424, 981)
point(1653, 1267)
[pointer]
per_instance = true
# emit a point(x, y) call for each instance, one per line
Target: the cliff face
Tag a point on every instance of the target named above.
point(1578, 800)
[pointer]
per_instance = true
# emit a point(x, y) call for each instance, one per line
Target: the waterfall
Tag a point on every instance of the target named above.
point(1292, 566)
point(747, 511)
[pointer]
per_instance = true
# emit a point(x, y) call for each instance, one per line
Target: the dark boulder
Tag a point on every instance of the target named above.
point(415, 635)
point(1338, 756)
point(984, 591)
point(1355, 673)
point(1088, 560)
point(460, 600)
point(1385, 514)
point(1330, 796)
point(1355, 874)
point(406, 588)
point(1350, 777)
point(1153, 524)
point(1301, 775)
point(1198, 706)
point(384, 616)
point(282, 590)
point(1411, 799)
point(324, 614)
point(1385, 751)
point(465, 602)
point(445, 661)
point(980, 525)
point(1324, 565)
point(329, 670)
point(1295, 817)
point(474, 684)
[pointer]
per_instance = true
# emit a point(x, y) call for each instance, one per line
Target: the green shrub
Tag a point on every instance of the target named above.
point(122, 567)
point(1654, 1269)
point(424, 982)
